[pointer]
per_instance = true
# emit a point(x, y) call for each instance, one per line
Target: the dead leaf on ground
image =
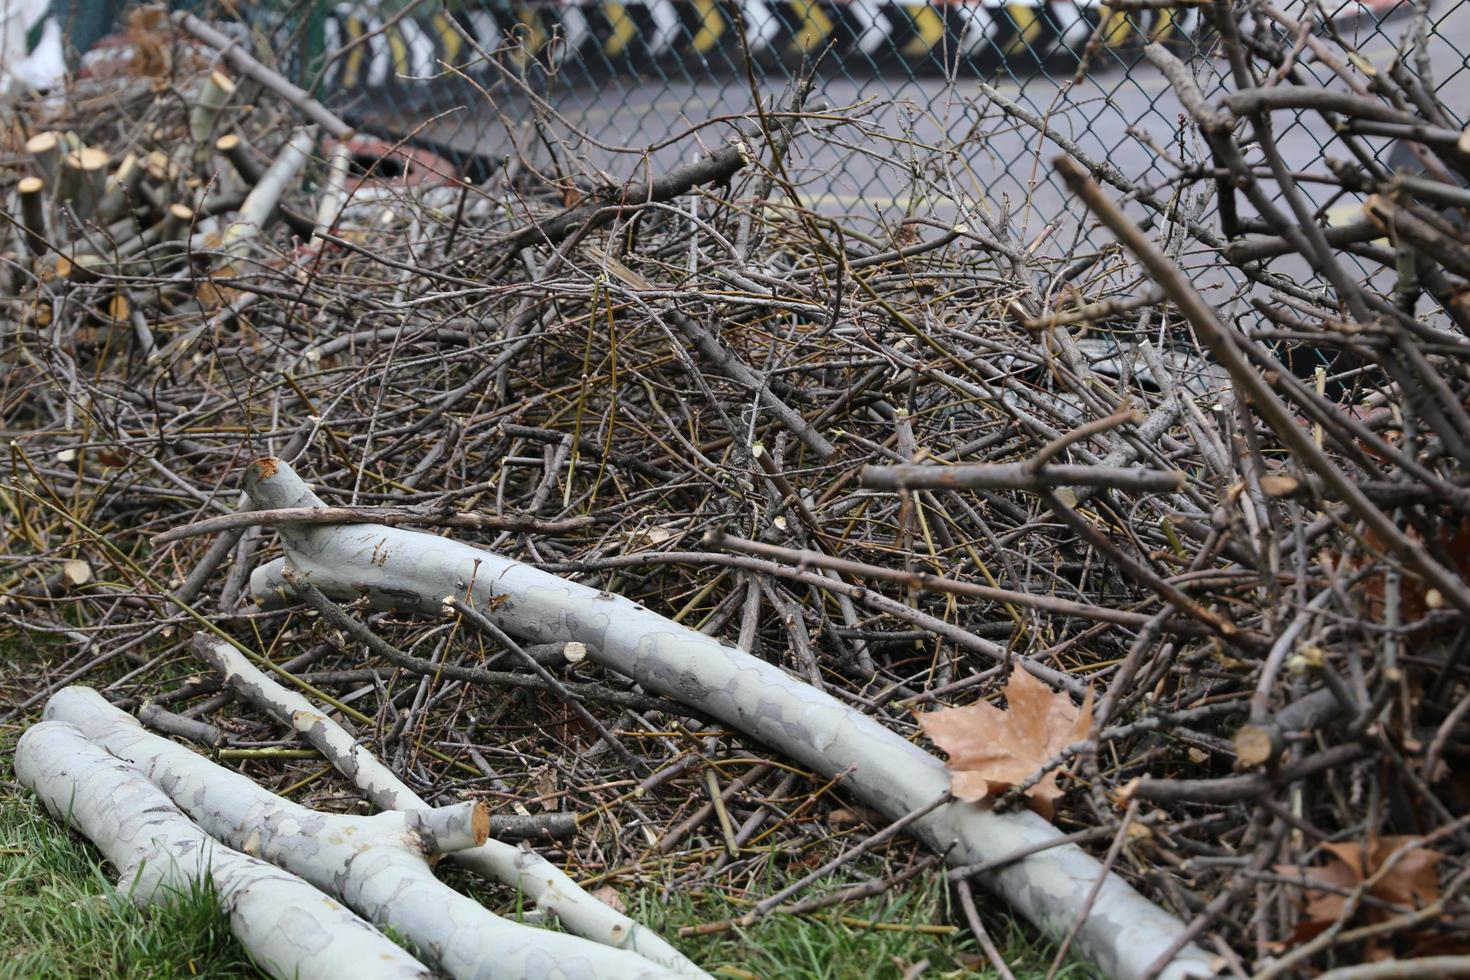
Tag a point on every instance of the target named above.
point(608, 895)
point(990, 749)
point(1411, 882)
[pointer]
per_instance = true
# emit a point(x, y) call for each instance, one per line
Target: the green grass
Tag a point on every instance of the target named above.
point(880, 937)
point(60, 915)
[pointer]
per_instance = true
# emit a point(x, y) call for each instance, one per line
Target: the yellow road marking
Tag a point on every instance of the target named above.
point(815, 25)
point(624, 29)
point(711, 25)
point(352, 67)
point(1117, 26)
point(450, 42)
point(1028, 28)
point(928, 27)
point(399, 47)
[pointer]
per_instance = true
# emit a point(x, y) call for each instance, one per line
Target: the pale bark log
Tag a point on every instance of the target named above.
point(375, 865)
point(552, 891)
point(288, 927)
point(272, 81)
point(32, 192)
point(215, 93)
point(261, 203)
point(334, 194)
point(1122, 932)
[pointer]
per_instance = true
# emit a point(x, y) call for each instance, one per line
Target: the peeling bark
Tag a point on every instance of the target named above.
point(552, 891)
point(377, 865)
point(288, 927)
point(1122, 931)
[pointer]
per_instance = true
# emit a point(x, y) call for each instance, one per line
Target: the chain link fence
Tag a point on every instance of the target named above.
point(620, 85)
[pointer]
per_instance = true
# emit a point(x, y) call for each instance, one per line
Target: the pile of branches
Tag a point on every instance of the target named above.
point(894, 469)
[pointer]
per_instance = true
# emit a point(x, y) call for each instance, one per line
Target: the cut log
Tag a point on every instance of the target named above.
point(552, 891)
point(378, 866)
point(289, 928)
point(1122, 931)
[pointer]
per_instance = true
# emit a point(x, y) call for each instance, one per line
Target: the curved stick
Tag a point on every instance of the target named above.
point(375, 865)
point(1122, 931)
point(551, 890)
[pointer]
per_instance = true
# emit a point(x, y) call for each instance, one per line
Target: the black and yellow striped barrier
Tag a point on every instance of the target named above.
point(367, 50)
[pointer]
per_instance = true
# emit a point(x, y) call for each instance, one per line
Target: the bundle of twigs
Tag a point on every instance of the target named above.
point(898, 463)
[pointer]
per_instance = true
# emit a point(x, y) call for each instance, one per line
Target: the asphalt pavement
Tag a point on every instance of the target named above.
point(629, 125)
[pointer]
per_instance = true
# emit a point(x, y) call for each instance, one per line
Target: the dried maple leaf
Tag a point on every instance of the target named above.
point(991, 750)
point(1410, 882)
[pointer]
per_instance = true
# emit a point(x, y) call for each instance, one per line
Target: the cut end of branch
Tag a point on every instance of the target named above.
point(1254, 746)
point(447, 829)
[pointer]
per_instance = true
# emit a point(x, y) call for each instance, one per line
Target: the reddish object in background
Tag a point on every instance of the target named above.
point(377, 161)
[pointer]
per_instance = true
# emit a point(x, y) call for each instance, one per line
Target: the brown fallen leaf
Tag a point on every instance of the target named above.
point(991, 750)
point(608, 895)
point(1411, 882)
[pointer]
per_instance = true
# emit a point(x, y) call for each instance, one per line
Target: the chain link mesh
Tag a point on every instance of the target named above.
point(627, 80)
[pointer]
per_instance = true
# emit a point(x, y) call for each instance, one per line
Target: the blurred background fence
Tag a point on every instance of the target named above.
point(566, 85)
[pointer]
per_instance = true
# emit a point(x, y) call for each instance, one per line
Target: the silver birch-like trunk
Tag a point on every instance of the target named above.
point(1122, 932)
point(377, 865)
point(290, 929)
point(543, 883)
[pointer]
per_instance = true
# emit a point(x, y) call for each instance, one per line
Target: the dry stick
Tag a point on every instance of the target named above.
point(270, 80)
point(484, 625)
point(674, 836)
point(237, 151)
point(391, 516)
point(717, 800)
point(1263, 740)
point(924, 580)
point(765, 905)
point(213, 96)
point(1171, 593)
point(549, 888)
point(715, 168)
point(330, 739)
point(472, 675)
point(877, 601)
point(163, 720)
point(972, 916)
point(84, 180)
point(1442, 737)
point(877, 765)
point(840, 897)
point(1217, 336)
point(1443, 967)
point(261, 203)
point(714, 351)
point(1019, 476)
point(334, 193)
point(44, 149)
point(967, 871)
point(1233, 789)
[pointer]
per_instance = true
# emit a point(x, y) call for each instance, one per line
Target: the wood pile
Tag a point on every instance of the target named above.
point(656, 522)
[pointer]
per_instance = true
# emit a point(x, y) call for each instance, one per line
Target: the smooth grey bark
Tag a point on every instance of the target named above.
point(393, 568)
point(546, 885)
point(292, 931)
point(377, 865)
